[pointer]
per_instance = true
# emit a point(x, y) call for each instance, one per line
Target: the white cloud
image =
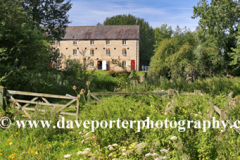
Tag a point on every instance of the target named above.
point(88, 13)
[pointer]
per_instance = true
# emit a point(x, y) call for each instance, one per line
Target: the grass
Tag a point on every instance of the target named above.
point(110, 143)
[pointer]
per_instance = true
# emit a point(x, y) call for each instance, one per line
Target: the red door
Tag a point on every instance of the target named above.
point(132, 65)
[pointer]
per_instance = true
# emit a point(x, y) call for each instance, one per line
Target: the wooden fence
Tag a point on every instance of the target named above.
point(4, 92)
point(17, 102)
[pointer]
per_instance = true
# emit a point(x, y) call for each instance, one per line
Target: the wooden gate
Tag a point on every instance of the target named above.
point(45, 102)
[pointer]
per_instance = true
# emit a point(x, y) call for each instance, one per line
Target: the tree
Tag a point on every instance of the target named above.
point(162, 33)
point(146, 34)
point(219, 20)
point(235, 55)
point(50, 15)
point(186, 53)
point(23, 48)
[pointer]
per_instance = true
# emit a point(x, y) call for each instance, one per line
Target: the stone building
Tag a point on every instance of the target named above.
point(101, 46)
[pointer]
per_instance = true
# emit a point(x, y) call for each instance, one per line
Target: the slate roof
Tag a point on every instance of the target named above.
point(110, 32)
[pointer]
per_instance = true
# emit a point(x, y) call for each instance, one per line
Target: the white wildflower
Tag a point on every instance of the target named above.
point(87, 149)
point(80, 152)
point(67, 156)
point(148, 155)
point(124, 154)
point(164, 150)
point(80, 132)
point(154, 154)
point(111, 149)
point(173, 138)
point(123, 150)
point(115, 144)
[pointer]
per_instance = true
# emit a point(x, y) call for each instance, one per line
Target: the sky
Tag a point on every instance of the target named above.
point(155, 12)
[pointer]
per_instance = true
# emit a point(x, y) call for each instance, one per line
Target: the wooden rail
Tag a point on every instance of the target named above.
point(223, 115)
point(4, 92)
point(12, 92)
point(44, 102)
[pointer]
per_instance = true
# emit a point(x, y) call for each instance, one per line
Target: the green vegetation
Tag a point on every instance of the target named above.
point(180, 59)
point(109, 143)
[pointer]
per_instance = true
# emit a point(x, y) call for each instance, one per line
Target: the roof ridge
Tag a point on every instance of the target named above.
point(103, 32)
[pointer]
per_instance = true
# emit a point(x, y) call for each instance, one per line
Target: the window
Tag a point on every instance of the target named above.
point(107, 42)
point(108, 52)
point(91, 42)
point(91, 64)
point(58, 65)
point(74, 42)
point(74, 52)
point(124, 42)
point(59, 54)
point(124, 52)
point(124, 64)
point(92, 52)
point(57, 43)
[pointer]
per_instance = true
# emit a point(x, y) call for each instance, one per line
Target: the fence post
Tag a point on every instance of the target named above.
point(77, 107)
point(88, 98)
point(2, 96)
point(222, 116)
point(171, 92)
point(197, 92)
point(211, 109)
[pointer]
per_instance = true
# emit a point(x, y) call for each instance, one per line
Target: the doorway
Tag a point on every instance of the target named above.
point(108, 65)
point(132, 65)
point(99, 64)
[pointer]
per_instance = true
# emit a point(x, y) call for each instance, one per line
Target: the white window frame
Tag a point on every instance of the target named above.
point(75, 43)
point(91, 52)
point(108, 43)
point(57, 43)
point(108, 52)
point(124, 64)
point(91, 42)
point(59, 53)
point(73, 52)
point(91, 64)
point(58, 63)
point(124, 42)
point(124, 53)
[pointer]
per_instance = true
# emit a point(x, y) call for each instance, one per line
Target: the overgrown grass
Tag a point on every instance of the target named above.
point(129, 143)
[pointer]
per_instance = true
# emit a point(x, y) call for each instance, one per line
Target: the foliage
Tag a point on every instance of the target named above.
point(235, 55)
point(146, 34)
point(162, 33)
point(118, 142)
point(50, 15)
point(24, 49)
point(219, 19)
point(186, 54)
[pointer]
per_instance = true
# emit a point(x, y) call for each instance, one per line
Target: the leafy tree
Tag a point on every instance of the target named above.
point(23, 48)
point(235, 55)
point(162, 33)
point(146, 34)
point(51, 15)
point(219, 19)
point(185, 54)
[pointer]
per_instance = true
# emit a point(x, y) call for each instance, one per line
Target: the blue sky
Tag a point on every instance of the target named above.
point(155, 12)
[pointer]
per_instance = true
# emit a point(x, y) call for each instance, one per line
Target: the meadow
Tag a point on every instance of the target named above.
point(119, 143)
